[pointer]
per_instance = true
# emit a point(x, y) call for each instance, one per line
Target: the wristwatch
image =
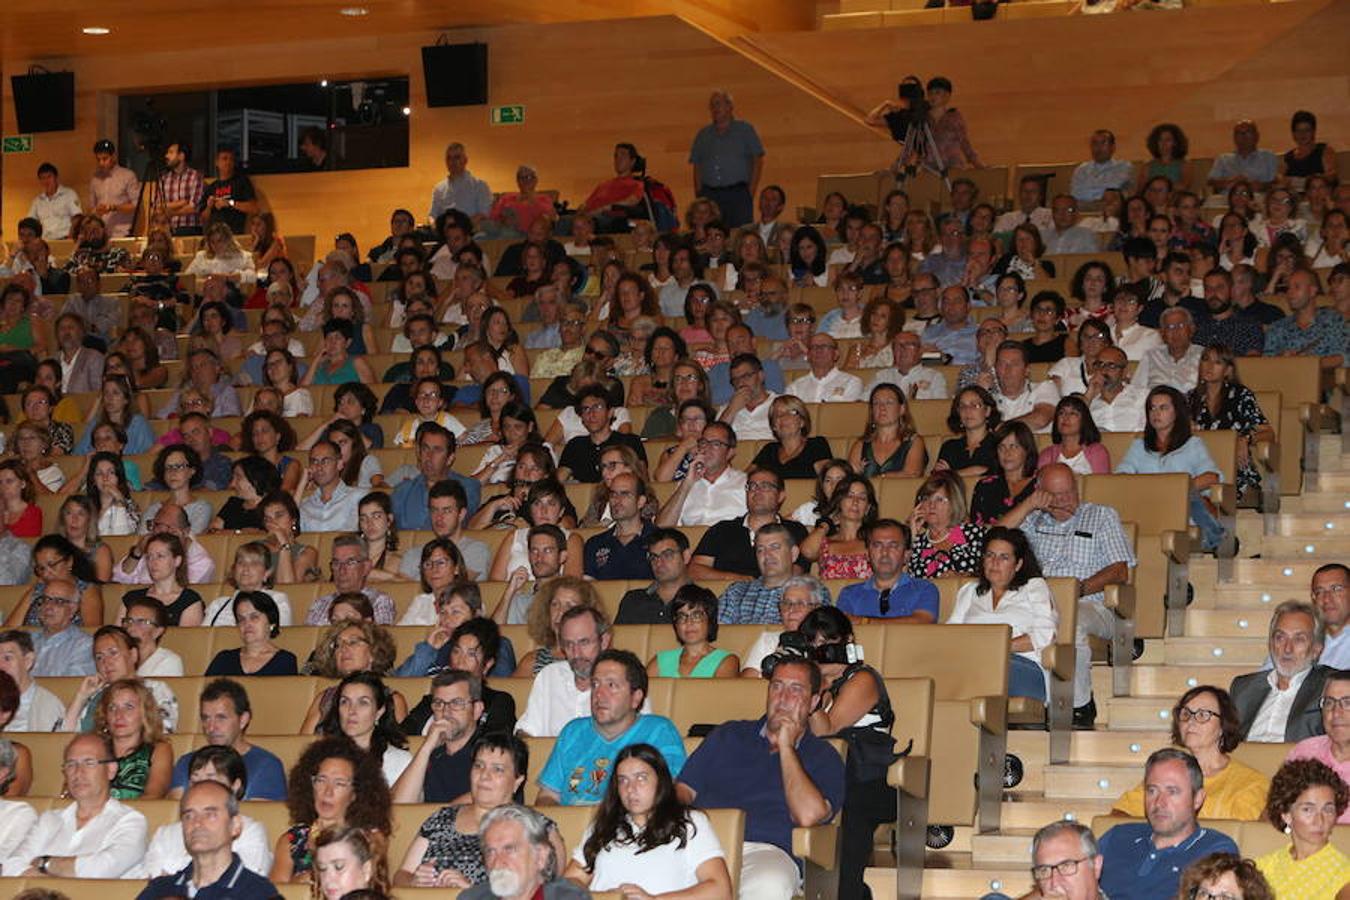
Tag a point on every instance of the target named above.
point(43, 862)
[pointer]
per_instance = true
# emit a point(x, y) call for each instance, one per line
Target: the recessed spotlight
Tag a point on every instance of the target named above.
point(96, 30)
point(407, 110)
point(354, 11)
point(323, 83)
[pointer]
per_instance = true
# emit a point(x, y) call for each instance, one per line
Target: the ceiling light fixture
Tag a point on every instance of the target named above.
point(407, 110)
point(354, 11)
point(96, 30)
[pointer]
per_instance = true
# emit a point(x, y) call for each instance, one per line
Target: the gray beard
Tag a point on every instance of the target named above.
point(504, 882)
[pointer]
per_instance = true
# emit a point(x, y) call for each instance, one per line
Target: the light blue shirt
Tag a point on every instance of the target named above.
point(467, 194)
point(719, 380)
point(545, 337)
point(726, 158)
point(582, 760)
point(1092, 179)
point(1075, 239)
point(66, 653)
point(1259, 166)
point(140, 438)
point(959, 343)
point(337, 514)
point(1191, 457)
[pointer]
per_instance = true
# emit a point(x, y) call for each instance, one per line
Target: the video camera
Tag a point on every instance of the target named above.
point(915, 113)
point(793, 645)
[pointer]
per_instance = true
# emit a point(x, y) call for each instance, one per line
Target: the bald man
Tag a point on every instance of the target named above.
point(1073, 539)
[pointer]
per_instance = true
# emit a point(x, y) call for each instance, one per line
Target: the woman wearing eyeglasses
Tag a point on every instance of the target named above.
point(334, 784)
point(1306, 797)
point(57, 559)
point(1224, 876)
point(693, 616)
point(441, 565)
point(166, 564)
point(345, 648)
point(1206, 723)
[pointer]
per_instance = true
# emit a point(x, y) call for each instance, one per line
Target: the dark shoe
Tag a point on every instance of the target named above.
point(1085, 716)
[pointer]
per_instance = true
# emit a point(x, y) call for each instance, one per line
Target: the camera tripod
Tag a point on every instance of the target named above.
point(919, 150)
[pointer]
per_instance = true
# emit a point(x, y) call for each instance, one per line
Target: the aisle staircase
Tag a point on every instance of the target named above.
point(1225, 635)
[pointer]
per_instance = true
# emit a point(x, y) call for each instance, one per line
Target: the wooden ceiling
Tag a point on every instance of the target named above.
point(42, 29)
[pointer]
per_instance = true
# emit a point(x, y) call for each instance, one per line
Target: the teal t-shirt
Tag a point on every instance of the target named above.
point(583, 759)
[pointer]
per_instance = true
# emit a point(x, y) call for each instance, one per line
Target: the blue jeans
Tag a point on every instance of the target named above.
point(1211, 531)
point(1025, 678)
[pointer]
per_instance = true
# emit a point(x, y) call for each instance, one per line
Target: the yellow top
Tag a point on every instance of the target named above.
point(1318, 877)
point(1237, 792)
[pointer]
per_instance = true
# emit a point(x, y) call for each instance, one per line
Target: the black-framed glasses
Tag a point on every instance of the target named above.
point(1186, 714)
point(1333, 702)
point(1065, 867)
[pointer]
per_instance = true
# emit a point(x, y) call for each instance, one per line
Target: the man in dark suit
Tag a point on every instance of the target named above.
point(1281, 704)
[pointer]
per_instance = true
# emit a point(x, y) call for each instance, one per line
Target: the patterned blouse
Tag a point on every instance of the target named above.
point(450, 848)
point(133, 772)
point(1238, 411)
point(853, 566)
point(962, 555)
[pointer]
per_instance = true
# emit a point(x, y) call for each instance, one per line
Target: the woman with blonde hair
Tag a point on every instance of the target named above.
point(221, 255)
point(550, 602)
point(33, 446)
point(794, 452)
point(347, 860)
point(129, 716)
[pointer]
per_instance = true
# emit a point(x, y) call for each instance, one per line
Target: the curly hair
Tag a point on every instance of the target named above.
point(540, 626)
point(369, 846)
point(152, 723)
point(1295, 777)
point(382, 648)
point(370, 792)
point(1251, 882)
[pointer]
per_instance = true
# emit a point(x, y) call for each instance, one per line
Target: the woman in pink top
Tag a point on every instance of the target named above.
point(837, 543)
point(518, 210)
point(1075, 440)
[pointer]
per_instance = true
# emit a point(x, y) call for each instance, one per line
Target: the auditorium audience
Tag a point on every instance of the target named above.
point(225, 714)
point(115, 658)
point(1282, 704)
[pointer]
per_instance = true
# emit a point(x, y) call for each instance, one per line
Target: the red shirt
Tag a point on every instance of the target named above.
point(29, 524)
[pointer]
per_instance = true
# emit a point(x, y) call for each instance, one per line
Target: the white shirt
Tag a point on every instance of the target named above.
point(1033, 394)
point(710, 502)
point(395, 761)
point(421, 611)
point(1125, 413)
point(221, 610)
point(1136, 340)
point(68, 368)
point(1158, 367)
point(660, 870)
point(1040, 217)
point(106, 847)
point(1069, 371)
point(168, 856)
point(841, 256)
point(163, 662)
point(16, 820)
point(553, 702)
point(54, 212)
point(765, 644)
point(753, 424)
point(836, 387)
point(1273, 716)
point(39, 710)
point(919, 383)
point(1028, 610)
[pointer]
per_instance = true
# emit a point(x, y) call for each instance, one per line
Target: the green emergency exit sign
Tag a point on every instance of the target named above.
point(508, 115)
point(19, 143)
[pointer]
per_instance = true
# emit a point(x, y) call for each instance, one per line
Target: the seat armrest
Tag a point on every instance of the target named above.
point(1119, 598)
point(1266, 455)
point(817, 844)
point(990, 713)
point(1176, 546)
point(909, 775)
point(1225, 498)
point(1058, 659)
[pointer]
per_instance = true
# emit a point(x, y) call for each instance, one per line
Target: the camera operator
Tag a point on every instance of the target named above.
point(910, 107)
point(858, 710)
point(933, 108)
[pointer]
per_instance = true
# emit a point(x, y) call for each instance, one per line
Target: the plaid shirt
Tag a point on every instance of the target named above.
point(1080, 547)
point(186, 185)
point(750, 603)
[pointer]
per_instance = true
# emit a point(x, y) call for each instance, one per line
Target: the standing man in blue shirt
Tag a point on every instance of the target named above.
point(890, 594)
point(460, 189)
point(727, 159)
point(1146, 860)
point(1101, 173)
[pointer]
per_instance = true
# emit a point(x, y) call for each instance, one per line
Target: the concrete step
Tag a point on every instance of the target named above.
point(1009, 848)
point(1165, 682)
point(1090, 782)
point(1214, 651)
point(1311, 525)
point(1228, 623)
point(1319, 548)
point(1136, 713)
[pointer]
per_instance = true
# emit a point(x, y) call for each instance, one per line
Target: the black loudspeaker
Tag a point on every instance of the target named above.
point(456, 74)
point(45, 101)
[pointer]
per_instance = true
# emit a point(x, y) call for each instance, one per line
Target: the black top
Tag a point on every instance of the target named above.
point(233, 515)
point(581, 456)
point(499, 713)
point(174, 610)
point(728, 543)
point(226, 662)
point(557, 396)
point(1052, 351)
point(1261, 311)
point(238, 188)
point(643, 606)
point(237, 883)
point(1151, 314)
point(800, 466)
point(954, 453)
point(1308, 165)
point(990, 500)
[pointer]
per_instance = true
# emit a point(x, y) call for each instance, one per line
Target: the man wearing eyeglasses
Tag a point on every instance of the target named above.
point(747, 412)
point(1282, 704)
point(1331, 594)
point(741, 340)
point(1145, 861)
point(94, 837)
point(439, 771)
point(62, 648)
point(620, 552)
point(1332, 748)
point(713, 490)
point(1246, 162)
point(1115, 403)
point(1066, 235)
point(727, 549)
point(170, 519)
point(563, 357)
point(1065, 862)
point(1177, 362)
point(917, 381)
point(890, 595)
point(350, 564)
point(668, 554)
point(332, 505)
point(826, 382)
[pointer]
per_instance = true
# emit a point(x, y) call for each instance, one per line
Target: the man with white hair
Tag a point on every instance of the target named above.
point(826, 382)
point(520, 859)
point(1283, 703)
point(1177, 361)
point(460, 190)
point(727, 159)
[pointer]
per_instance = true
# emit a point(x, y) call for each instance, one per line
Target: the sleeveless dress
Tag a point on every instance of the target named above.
point(668, 664)
point(853, 566)
point(1308, 165)
point(450, 848)
point(893, 463)
point(184, 601)
point(133, 772)
point(344, 374)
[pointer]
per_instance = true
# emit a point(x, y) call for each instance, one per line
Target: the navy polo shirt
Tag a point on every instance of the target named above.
point(908, 596)
point(606, 558)
point(1133, 868)
point(238, 883)
point(734, 768)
